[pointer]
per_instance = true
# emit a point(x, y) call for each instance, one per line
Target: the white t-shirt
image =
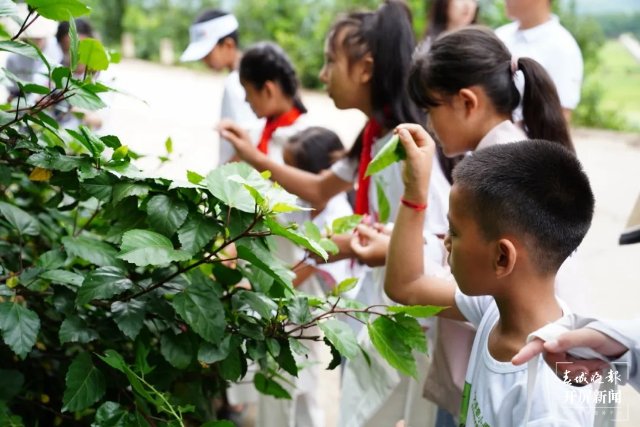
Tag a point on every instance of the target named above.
point(496, 392)
point(555, 49)
point(234, 107)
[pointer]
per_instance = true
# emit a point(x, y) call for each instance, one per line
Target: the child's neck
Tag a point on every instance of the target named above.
point(535, 17)
point(529, 305)
point(282, 107)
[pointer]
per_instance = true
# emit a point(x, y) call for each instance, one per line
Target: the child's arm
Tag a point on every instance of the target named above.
point(405, 280)
point(316, 189)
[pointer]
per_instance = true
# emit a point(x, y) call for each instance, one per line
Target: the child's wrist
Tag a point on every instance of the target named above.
point(418, 204)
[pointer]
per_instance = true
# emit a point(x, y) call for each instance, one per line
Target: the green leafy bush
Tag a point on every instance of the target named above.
point(120, 300)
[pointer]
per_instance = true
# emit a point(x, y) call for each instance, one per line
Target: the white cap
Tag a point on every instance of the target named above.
point(205, 35)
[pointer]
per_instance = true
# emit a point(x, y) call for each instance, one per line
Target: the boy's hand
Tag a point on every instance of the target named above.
point(238, 137)
point(557, 352)
point(420, 148)
point(371, 244)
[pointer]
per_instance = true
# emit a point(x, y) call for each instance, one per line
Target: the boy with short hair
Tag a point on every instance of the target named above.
point(214, 41)
point(517, 211)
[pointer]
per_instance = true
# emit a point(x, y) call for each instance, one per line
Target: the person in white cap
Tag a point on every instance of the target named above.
point(214, 41)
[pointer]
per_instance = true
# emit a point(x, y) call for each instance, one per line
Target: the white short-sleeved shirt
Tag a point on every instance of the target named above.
point(555, 49)
point(496, 392)
point(234, 107)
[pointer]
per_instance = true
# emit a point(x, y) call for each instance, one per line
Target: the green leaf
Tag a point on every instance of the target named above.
point(20, 327)
point(50, 159)
point(92, 250)
point(144, 247)
point(92, 53)
point(127, 189)
point(103, 283)
point(329, 246)
point(60, 75)
point(346, 224)
point(74, 329)
point(336, 357)
point(269, 387)
point(262, 305)
point(221, 423)
point(299, 310)
point(344, 286)
point(341, 336)
point(196, 233)
point(168, 145)
point(99, 187)
point(234, 366)
point(111, 414)
point(21, 48)
point(8, 8)
point(111, 141)
point(129, 316)
point(59, 10)
point(176, 349)
point(212, 353)
point(411, 332)
point(199, 306)
point(85, 99)
point(73, 45)
point(384, 209)
point(115, 360)
point(227, 183)
point(385, 336)
point(194, 177)
point(85, 384)
point(300, 239)
point(416, 310)
point(63, 277)
point(259, 257)
point(392, 152)
point(11, 383)
point(19, 219)
point(285, 358)
point(166, 214)
point(312, 231)
point(34, 88)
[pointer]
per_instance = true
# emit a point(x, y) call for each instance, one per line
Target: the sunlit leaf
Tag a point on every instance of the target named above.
point(144, 247)
point(341, 336)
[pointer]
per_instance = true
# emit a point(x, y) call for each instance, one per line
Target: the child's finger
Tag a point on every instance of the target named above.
point(528, 352)
point(417, 132)
point(407, 141)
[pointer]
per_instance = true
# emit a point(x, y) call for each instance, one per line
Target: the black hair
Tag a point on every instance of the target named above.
point(475, 56)
point(536, 190)
point(266, 61)
point(211, 14)
point(315, 149)
point(83, 27)
point(439, 18)
point(388, 36)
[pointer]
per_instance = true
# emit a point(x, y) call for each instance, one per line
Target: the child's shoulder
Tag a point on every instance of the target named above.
point(475, 308)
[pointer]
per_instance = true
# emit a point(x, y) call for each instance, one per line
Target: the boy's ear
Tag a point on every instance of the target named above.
point(505, 258)
point(469, 99)
point(228, 42)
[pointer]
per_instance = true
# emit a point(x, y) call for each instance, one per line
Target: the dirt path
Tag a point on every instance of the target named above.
point(183, 105)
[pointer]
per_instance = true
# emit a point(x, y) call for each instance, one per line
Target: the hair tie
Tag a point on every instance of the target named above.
point(514, 64)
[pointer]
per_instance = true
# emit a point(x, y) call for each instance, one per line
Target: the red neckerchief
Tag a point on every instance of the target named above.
point(371, 131)
point(285, 119)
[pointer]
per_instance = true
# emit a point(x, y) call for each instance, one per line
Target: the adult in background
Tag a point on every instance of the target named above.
point(537, 33)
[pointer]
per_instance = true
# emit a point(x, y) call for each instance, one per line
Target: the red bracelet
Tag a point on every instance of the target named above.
point(415, 206)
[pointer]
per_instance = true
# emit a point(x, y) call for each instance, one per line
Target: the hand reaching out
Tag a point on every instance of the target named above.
point(370, 244)
point(238, 137)
point(557, 352)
